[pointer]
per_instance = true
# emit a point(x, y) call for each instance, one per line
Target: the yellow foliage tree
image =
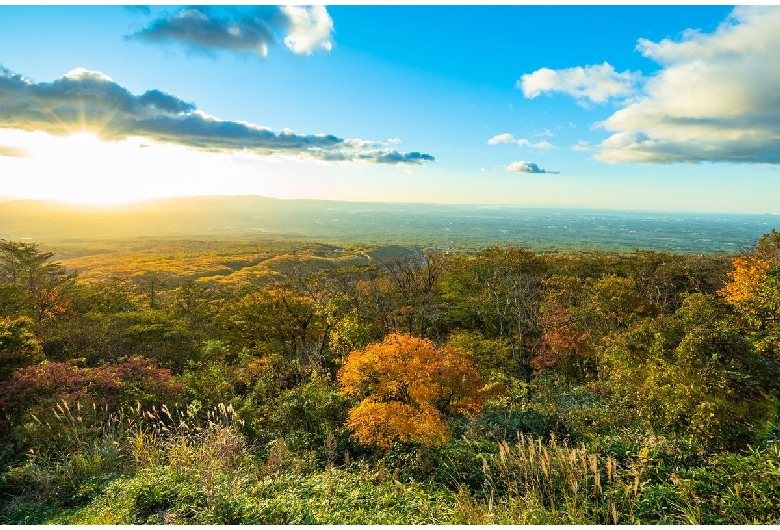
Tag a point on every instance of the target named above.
point(408, 387)
point(750, 270)
point(745, 278)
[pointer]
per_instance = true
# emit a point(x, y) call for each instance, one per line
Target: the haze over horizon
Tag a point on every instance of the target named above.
point(655, 108)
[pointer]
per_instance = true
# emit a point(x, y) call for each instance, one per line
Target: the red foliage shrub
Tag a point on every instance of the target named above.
point(37, 389)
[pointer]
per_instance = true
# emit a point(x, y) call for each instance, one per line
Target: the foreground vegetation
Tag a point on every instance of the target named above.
point(282, 383)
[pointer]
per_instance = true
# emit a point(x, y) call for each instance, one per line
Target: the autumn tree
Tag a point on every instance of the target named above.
point(407, 387)
point(749, 268)
point(754, 291)
point(568, 335)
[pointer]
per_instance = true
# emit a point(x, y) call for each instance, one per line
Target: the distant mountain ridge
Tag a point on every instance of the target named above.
point(427, 225)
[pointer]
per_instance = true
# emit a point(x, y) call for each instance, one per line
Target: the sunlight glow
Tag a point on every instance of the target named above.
point(83, 169)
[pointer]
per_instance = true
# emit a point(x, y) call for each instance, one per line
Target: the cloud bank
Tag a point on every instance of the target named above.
point(527, 167)
point(714, 99)
point(250, 30)
point(92, 101)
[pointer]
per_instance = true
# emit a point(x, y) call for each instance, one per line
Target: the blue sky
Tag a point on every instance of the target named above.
point(629, 107)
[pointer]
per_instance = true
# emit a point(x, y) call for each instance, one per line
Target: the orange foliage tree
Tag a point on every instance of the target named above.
point(745, 278)
point(754, 291)
point(750, 269)
point(408, 387)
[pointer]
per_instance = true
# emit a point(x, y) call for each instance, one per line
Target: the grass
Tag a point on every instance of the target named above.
point(333, 496)
point(195, 467)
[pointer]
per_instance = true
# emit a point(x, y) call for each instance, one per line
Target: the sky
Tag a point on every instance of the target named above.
point(661, 108)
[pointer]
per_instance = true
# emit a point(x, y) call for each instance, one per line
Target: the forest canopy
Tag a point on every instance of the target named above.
point(502, 385)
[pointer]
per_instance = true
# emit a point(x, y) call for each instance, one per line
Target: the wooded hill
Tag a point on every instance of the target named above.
point(269, 381)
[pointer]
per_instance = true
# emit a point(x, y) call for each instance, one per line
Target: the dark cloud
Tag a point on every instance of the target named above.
point(527, 167)
point(243, 29)
point(394, 157)
point(165, 102)
point(92, 101)
point(385, 156)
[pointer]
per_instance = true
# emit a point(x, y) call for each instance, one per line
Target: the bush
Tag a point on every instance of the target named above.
point(35, 399)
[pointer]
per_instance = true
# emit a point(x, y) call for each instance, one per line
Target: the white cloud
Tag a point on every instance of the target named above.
point(310, 28)
point(527, 167)
point(597, 83)
point(582, 146)
point(83, 73)
point(716, 98)
point(542, 144)
point(505, 138)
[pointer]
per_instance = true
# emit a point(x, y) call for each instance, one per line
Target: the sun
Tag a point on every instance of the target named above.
point(79, 168)
point(82, 168)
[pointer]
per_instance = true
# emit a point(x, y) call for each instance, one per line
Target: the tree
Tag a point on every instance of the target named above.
point(663, 279)
point(499, 293)
point(407, 387)
point(415, 279)
point(693, 376)
point(568, 331)
point(754, 291)
point(278, 319)
point(18, 346)
point(25, 265)
point(750, 268)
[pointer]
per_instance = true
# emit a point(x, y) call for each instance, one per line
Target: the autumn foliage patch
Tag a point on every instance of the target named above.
point(407, 387)
point(41, 387)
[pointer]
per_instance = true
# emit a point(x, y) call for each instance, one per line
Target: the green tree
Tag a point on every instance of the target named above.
point(693, 376)
point(19, 346)
point(498, 293)
point(45, 283)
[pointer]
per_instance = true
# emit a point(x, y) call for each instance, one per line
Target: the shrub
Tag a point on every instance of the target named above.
point(34, 399)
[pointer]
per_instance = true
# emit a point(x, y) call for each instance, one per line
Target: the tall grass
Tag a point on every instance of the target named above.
point(530, 482)
point(77, 451)
point(194, 466)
